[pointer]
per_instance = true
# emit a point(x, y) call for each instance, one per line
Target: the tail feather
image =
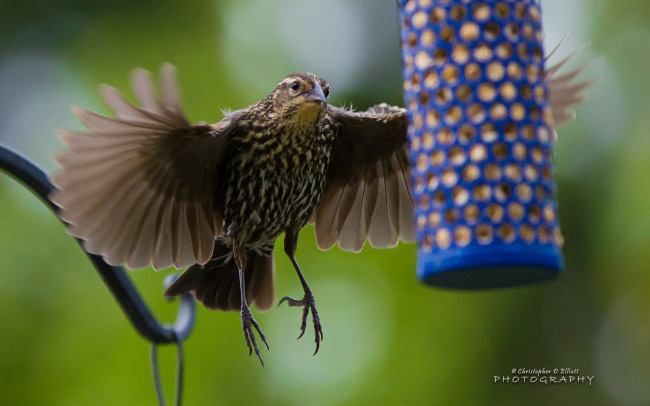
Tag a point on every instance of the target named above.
point(216, 284)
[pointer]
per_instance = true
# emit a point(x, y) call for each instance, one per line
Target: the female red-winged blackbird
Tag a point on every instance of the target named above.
point(150, 188)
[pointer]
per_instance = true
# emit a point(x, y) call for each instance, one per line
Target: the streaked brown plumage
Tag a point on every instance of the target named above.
point(149, 188)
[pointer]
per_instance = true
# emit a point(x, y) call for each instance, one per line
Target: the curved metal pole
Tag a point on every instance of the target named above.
point(118, 282)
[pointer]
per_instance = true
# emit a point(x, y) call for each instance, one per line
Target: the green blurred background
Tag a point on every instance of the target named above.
point(388, 339)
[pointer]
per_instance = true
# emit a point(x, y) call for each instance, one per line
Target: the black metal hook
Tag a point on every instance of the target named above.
point(118, 282)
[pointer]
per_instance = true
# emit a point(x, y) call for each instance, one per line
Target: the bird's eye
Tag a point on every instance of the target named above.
point(295, 85)
point(327, 92)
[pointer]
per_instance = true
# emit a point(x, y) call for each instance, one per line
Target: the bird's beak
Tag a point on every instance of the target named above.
point(316, 95)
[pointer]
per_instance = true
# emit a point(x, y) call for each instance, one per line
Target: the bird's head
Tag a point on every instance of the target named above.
point(301, 98)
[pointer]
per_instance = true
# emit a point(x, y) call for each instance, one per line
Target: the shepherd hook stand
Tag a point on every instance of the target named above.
point(118, 282)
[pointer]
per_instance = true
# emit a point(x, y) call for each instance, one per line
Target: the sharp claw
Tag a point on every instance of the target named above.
point(248, 342)
point(264, 340)
point(308, 304)
point(259, 331)
point(257, 352)
point(248, 322)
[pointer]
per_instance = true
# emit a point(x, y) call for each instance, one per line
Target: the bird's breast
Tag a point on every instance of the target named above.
point(272, 186)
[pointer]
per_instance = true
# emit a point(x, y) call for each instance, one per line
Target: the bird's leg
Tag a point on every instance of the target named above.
point(247, 320)
point(307, 302)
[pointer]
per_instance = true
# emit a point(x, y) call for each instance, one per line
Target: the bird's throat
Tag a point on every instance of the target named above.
point(308, 114)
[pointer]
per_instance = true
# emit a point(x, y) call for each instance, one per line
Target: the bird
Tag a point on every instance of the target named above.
point(147, 188)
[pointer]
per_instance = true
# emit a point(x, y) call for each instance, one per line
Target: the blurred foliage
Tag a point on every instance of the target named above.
point(388, 340)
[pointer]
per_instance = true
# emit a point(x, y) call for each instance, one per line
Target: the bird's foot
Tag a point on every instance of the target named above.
point(247, 323)
point(307, 303)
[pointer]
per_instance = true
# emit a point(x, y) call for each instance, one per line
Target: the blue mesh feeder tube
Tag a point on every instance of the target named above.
point(481, 143)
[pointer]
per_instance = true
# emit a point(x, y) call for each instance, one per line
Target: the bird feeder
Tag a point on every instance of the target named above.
point(481, 143)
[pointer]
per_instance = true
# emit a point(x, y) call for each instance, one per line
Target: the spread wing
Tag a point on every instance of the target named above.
point(367, 191)
point(141, 188)
point(564, 92)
